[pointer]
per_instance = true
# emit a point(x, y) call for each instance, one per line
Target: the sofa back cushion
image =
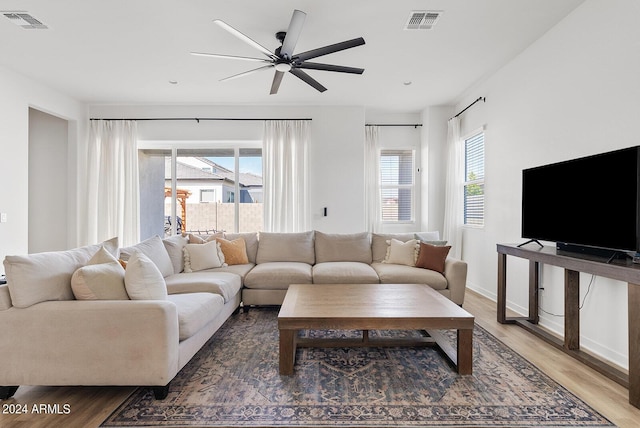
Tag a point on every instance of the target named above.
point(174, 246)
point(250, 242)
point(41, 277)
point(354, 247)
point(286, 247)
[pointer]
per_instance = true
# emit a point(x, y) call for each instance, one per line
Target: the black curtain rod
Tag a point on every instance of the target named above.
point(415, 125)
point(197, 119)
point(483, 99)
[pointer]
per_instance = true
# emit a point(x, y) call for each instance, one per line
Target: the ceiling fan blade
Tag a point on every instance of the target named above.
point(307, 79)
point(243, 58)
point(277, 78)
point(246, 73)
point(245, 38)
point(293, 33)
point(314, 53)
point(329, 67)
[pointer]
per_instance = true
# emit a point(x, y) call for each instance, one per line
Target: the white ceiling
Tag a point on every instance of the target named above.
point(126, 52)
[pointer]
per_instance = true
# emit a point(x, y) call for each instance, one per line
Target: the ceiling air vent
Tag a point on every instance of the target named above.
point(24, 20)
point(422, 19)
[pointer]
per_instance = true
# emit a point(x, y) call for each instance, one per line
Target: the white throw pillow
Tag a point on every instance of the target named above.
point(203, 256)
point(101, 279)
point(402, 253)
point(155, 250)
point(143, 280)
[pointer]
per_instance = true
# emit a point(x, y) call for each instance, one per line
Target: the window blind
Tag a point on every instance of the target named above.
point(474, 180)
point(397, 185)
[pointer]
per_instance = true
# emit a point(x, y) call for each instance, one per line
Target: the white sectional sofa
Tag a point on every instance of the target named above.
point(76, 318)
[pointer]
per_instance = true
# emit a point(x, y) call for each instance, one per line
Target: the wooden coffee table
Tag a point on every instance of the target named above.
point(372, 307)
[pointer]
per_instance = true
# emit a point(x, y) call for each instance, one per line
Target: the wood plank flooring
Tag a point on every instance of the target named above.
point(89, 406)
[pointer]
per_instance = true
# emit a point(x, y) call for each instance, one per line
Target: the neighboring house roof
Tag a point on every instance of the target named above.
point(188, 172)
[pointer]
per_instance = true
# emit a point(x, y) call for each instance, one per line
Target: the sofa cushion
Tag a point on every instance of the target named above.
point(155, 250)
point(278, 275)
point(195, 310)
point(202, 256)
point(402, 253)
point(432, 257)
point(224, 284)
point(399, 274)
point(286, 247)
point(344, 273)
point(235, 251)
point(354, 247)
point(143, 280)
point(250, 241)
point(5, 297)
point(101, 279)
point(41, 277)
point(240, 270)
point(174, 246)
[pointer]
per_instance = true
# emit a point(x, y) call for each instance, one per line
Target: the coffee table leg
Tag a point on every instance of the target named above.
point(287, 351)
point(465, 351)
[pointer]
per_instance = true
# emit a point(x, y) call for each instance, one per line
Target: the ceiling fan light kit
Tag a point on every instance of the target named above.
point(284, 60)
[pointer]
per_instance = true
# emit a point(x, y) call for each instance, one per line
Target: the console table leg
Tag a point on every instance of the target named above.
point(571, 309)
point(502, 288)
point(634, 344)
point(534, 284)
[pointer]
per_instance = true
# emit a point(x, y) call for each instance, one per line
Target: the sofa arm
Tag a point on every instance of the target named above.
point(456, 273)
point(123, 342)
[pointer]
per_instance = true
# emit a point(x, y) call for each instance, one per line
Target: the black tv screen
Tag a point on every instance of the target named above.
point(590, 201)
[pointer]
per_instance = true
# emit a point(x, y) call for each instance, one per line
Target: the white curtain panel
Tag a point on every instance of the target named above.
point(113, 185)
point(286, 199)
point(453, 208)
point(372, 178)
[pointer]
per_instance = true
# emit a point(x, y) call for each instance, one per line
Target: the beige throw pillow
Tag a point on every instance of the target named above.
point(143, 280)
point(402, 253)
point(235, 252)
point(101, 279)
point(203, 256)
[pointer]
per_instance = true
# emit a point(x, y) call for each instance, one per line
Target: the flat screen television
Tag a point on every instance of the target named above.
point(585, 205)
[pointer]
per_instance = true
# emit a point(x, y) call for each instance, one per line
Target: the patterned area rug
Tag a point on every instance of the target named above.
point(234, 381)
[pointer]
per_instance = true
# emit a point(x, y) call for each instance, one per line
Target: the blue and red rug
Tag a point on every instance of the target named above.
point(234, 381)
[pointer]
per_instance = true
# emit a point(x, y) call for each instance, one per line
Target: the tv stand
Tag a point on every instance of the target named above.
point(570, 344)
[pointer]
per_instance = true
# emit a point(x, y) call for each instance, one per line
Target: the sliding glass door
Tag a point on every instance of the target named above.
point(202, 190)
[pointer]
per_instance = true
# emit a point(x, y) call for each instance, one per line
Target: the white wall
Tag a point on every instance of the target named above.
point(18, 94)
point(48, 182)
point(336, 152)
point(574, 92)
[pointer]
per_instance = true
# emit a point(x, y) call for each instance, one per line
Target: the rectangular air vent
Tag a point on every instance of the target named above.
point(24, 20)
point(422, 19)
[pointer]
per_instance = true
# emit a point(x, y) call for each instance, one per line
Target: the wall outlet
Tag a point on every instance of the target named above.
point(3, 217)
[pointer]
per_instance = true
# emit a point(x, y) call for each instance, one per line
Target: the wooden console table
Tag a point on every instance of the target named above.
point(573, 265)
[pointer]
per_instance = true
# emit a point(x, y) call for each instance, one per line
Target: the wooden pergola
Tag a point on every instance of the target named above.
point(181, 195)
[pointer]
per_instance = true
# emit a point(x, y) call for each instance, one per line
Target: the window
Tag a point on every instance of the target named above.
point(397, 185)
point(474, 179)
point(228, 179)
point(207, 195)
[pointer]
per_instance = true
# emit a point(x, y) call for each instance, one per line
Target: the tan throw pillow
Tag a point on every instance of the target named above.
point(101, 279)
point(203, 256)
point(401, 253)
point(235, 252)
point(432, 256)
point(201, 239)
point(143, 280)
